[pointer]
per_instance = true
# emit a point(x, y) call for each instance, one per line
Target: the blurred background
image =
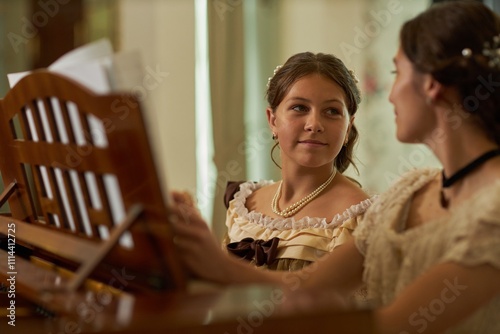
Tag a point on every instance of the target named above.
point(212, 60)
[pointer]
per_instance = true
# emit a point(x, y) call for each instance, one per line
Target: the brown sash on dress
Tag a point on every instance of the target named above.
point(262, 251)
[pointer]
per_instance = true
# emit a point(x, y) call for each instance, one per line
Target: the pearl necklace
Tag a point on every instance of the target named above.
point(297, 206)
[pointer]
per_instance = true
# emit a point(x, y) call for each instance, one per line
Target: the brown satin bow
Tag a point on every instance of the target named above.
point(264, 252)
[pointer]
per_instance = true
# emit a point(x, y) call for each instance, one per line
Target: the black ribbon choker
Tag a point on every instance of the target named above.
point(462, 172)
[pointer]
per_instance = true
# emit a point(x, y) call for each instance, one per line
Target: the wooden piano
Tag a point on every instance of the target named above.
point(87, 247)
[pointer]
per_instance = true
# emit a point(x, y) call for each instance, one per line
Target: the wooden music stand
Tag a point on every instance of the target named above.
point(82, 186)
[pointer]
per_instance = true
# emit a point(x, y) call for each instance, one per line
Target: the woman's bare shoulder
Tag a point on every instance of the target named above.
point(352, 191)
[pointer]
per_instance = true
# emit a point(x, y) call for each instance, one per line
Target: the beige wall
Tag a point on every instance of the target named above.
point(163, 31)
point(363, 33)
point(319, 26)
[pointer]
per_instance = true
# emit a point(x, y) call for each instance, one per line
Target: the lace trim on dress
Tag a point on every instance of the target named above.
point(247, 188)
point(390, 202)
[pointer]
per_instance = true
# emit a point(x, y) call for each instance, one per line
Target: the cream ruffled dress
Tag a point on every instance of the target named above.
point(301, 241)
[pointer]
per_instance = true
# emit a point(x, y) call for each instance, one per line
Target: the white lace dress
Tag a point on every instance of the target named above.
point(394, 257)
point(301, 241)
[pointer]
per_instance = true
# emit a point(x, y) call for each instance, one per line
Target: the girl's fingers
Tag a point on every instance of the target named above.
point(183, 197)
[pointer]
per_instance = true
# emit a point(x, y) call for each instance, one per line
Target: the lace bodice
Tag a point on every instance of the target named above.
point(394, 256)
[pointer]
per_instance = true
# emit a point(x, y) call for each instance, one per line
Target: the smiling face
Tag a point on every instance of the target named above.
point(311, 122)
point(414, 117)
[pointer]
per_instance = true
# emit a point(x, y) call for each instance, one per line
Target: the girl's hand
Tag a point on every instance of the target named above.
point(183, 198)
point(196, 245)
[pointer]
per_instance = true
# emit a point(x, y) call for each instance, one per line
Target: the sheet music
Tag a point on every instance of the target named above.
point(89, 65)
point(100, 49)
point(98, 68)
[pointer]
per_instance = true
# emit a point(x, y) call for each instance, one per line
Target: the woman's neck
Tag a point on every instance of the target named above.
point(457, 137)
point(455, 151)
point(457, 148)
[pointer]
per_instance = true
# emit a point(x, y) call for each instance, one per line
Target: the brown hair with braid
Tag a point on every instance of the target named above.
point(329, 66)
point(434, 42)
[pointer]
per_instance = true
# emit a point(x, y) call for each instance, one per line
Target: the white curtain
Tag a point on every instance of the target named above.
point(226, 63)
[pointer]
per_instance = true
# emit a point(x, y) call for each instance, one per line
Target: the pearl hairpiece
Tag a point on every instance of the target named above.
point(467, 53)
point(490, 50)
point(274, 73)
point(356, 80)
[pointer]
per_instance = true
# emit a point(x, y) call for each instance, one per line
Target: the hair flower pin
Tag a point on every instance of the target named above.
point(274, 73)
point(355, 78)
point(492, 51)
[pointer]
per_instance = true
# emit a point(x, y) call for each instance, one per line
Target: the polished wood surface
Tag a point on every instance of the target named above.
point(250, 309)
point(107, 308)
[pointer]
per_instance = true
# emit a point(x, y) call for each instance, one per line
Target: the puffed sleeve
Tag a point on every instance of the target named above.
point(476, 239)
point(365, 225)
point(353, 218)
